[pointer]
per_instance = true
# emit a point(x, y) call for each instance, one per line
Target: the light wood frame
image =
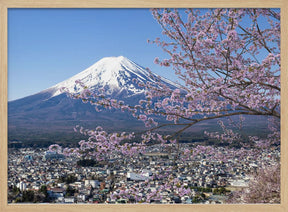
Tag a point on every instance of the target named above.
point(6, 4)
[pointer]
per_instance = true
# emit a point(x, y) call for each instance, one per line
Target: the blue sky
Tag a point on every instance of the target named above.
point(47, 46)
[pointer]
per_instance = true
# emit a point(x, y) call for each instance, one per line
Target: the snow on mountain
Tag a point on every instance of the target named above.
point(114, 74)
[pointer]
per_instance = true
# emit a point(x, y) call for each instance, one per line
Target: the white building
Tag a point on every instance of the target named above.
point(22, 186)
point(239, 183)
point(93, 183)
point(136, 177)
point(69, 200)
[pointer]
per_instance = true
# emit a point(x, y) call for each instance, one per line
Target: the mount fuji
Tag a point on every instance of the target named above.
point(52, 111)
point(114, 74)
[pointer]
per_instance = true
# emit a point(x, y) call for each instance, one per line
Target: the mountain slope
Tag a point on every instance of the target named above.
point(51, 110)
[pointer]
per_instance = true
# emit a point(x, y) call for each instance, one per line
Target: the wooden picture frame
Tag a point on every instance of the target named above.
point(6, 4)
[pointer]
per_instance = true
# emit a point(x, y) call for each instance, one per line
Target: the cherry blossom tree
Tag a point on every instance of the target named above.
point(228, 64)
point(264, 187)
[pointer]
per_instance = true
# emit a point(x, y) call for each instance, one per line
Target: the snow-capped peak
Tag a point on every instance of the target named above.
point(114, 74)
